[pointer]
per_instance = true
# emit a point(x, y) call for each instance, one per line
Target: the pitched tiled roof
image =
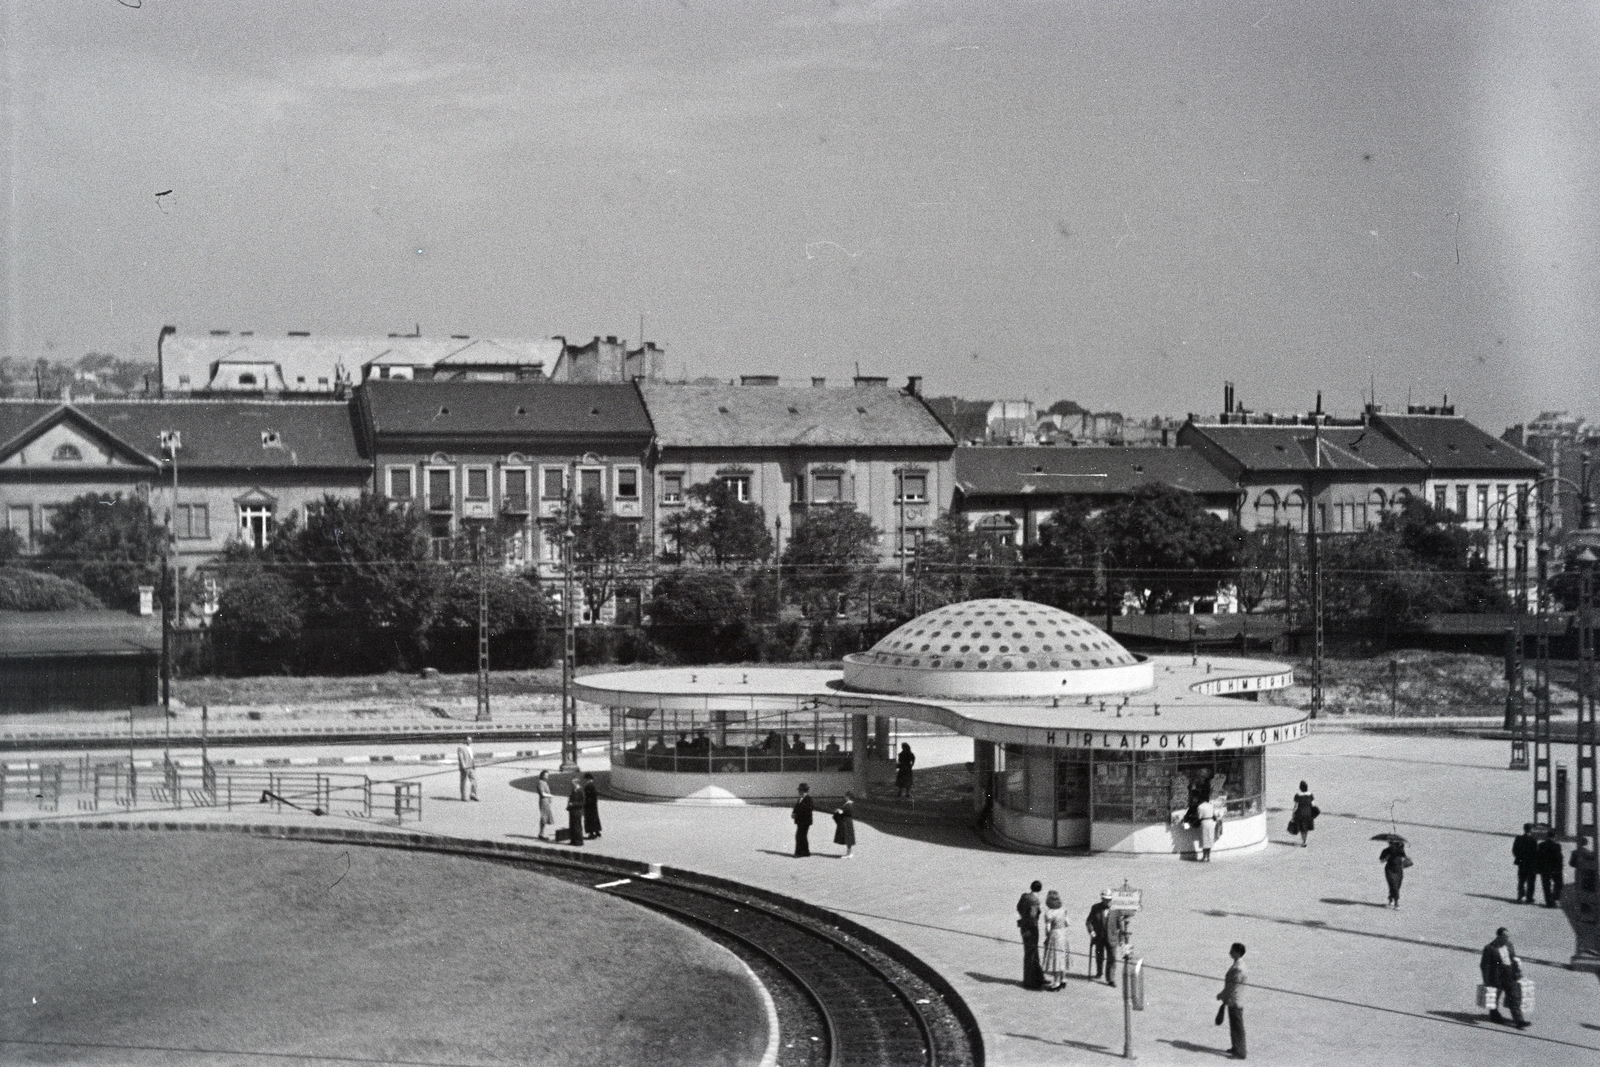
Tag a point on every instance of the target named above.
point(79, 632)
point(1452, 443)
point(231, 434)
point(708, 416)
point(1055, 471)
point(504, 409)
point(1294, 448)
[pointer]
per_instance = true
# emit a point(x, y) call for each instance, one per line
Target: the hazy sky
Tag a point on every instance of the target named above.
point(1121, 203)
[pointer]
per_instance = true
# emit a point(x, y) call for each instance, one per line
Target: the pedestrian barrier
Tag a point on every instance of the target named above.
point(38, 786)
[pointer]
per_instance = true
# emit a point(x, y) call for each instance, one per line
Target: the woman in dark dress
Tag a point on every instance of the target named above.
point(591, 807)
point(1304, 819)
point(1395, 861)
point(902, 776)
point(844, 821)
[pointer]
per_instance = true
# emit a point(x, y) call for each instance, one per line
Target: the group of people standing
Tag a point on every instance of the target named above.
point(1046, 954)
point(844, 823)
point(583, 808)
point(1538, 858)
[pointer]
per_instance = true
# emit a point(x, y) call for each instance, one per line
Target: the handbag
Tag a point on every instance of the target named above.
point(1222, 1012)
point(1405, 861)
point(1294, 827)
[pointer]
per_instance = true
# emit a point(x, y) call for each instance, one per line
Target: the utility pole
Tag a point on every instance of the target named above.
point(1588, 541)
point(569, 651)
point(1314, 559)
point(483, 626)
point(170, 441)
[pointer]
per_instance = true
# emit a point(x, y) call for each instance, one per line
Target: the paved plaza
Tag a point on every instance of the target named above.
point(1336, 977)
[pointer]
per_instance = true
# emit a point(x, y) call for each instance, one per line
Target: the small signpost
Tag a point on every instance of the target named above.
point(1125, 904)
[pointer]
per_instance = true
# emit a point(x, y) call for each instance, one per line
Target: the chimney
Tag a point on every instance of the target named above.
point(758, 379)
point(818, 383)
point(914, 385)
point(1227, 399)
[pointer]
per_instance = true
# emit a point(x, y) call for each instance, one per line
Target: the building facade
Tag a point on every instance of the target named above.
point(243, 467)
point(791, 449)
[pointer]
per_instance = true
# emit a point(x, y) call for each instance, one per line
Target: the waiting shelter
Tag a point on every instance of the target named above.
point(1079, 743)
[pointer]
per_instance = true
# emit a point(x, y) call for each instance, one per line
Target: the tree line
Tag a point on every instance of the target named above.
point(359, 584)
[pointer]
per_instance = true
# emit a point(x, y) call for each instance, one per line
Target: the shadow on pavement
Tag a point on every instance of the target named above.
point(1068, 1043)
point(1467, 1017)
point(1318, 924)
point(1385, 821)
point(1491, 896)
point(1354, 903)
point(990, 979)
point(1190, 1046)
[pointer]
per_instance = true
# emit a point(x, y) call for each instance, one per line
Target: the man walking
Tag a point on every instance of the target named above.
point(1100, 939)
point(1525, 854)
point(1232, 997)
point(1502, 971)
point(1552, 869)
point(591, 807)
point(575, 800)
point(802, 814)
point(467, 766)
point(1028, 911)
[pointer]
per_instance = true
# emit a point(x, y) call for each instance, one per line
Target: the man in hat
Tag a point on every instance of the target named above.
point(1502, 970)
point(1100, 939)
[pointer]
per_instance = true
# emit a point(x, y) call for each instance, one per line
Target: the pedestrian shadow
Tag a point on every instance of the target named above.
point(1491, 896)
point(1466, 1018)
point(533, 837)
point(1067, 1042)
point(776, 852)
point(1353, 903)
point(1190, 1046)
point(1325, 927)
point(993, 979)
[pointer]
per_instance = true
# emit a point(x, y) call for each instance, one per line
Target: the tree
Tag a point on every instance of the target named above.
point(1264, 556)
point(260, 617)
point(829, 555)
point(700, 616)
point(515, 604)
point(11, 546)
point(716, 528)
point(1066, 568)
point(24, 590)
point(959, 563)
point(1177, 549)
point(112, 544)
point(606, 552)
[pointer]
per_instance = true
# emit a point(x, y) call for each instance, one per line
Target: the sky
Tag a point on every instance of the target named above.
point(1124, 204)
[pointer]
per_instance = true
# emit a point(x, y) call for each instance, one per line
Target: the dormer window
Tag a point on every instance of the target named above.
point(67, 454)
point(247, 379)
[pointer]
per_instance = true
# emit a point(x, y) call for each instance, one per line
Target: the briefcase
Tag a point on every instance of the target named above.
point(1488, 997)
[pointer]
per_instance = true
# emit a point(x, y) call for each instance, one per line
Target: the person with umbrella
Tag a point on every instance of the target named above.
point(1395, 861)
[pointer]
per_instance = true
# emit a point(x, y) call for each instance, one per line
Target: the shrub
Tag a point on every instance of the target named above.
point(24, 590)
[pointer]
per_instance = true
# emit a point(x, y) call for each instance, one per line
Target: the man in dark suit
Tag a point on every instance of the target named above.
point(1525, 854)
point(1028, 910)
point(1100, 940)
point(802, 814)
point(1232, 997)
point(575, 812)
point(1502, 969)
point(1552, 869)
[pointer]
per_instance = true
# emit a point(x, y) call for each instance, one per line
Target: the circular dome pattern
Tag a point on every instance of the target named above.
point(998, 635)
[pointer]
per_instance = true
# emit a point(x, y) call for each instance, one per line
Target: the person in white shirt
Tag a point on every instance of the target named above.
point(467, 766)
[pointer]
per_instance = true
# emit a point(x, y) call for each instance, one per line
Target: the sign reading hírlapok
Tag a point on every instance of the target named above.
point(1159, 741)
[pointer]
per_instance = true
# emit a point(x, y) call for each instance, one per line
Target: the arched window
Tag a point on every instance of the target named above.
point(1294, 510)
point(1377, 505)
point(67, 454)
point(1267, 509)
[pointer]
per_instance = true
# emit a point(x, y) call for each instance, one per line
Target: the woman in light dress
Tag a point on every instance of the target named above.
point(1053, 927)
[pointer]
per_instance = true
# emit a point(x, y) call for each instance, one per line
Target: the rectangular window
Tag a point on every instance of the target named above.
point(913, 487)
point(1441, 500)
point(19, 517)
point(827, 488)
point(516, 489)
point(477, 483)
point(1502, 511)
point(255, 524)
point(194, 522)
point(627, 483)
point(672, 488)
point(439, 536)
point(553, 483)
point(591, 485)
point(441, 489)
point(47, 517)
point(739, 483)
point(1483, 503)
point(912, 537)
point(1461, 503)
point(400, 483)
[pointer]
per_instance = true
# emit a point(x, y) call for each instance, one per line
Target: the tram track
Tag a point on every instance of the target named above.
point(845, 996)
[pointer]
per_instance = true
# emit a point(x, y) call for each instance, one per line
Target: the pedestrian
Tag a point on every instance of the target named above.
point(467, 767)
point(801, 814)
point(1582, 862)
point(591, 807)
point(1206, 816)
point(1525, 855)
point(1502, 971)
point(844, 825)
point(1395, 861)
point(546, 816)
point(1232, 997)
point(1304, 819)
point(575, 812)
point(902, 776)
point(1028, 912)
point(1100, 939)
point(1552, 869)
point(1056, 955)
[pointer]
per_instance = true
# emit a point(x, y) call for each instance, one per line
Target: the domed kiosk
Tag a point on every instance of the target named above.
point(1078, 743)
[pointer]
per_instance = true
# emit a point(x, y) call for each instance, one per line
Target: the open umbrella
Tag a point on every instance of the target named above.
point(1392, 838)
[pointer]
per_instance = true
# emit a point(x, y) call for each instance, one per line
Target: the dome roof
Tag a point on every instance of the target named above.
point(1044, 651)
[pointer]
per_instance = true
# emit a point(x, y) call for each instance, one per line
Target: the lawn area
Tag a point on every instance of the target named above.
point(159, 948)
point(1427, 684)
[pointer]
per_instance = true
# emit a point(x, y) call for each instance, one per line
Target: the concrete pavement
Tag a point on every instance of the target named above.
point(1336, 978)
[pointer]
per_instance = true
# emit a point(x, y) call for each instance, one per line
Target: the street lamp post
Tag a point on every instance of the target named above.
point(171, 441)
point(481, 543)
point(569, 652)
